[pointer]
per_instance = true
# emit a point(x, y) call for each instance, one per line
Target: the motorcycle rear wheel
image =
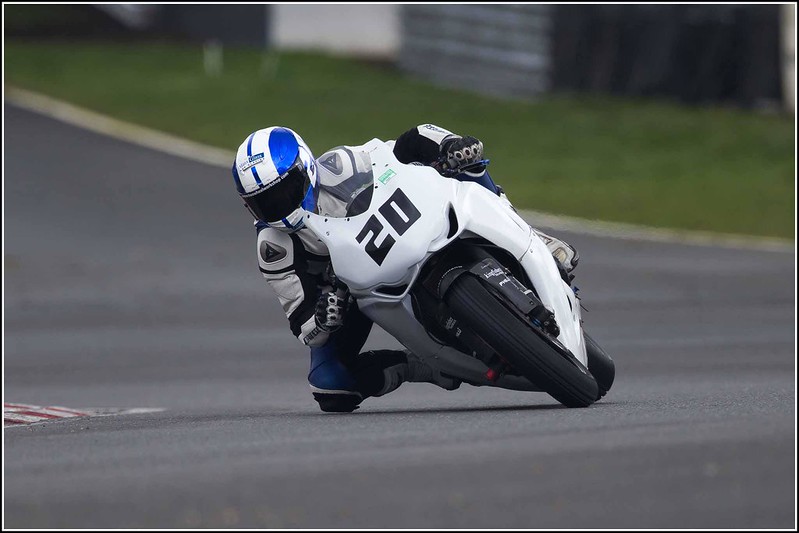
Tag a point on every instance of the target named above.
point(600, 364)
point(477, 308)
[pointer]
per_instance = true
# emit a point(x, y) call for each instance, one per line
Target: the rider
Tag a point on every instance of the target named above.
point(278, 178)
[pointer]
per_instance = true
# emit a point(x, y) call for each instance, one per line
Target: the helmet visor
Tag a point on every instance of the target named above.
point(280, 197)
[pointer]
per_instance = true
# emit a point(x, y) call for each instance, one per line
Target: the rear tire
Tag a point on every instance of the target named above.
point(600, 364)
point(515, 339)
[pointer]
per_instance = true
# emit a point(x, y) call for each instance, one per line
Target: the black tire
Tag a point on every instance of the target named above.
point(600, 364)
point(472, 304)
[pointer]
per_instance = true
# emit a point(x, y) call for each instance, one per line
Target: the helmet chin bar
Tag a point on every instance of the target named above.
point(294, 221)
point(252, 212)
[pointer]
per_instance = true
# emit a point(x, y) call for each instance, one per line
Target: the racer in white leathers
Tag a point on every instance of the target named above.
point(278, 178)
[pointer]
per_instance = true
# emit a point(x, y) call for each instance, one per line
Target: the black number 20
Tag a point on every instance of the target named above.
point(400, 213)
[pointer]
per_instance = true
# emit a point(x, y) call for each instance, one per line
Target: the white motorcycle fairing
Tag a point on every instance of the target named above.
point(415, 212)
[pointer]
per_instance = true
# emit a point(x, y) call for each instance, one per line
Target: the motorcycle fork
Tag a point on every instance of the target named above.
point(475, 261)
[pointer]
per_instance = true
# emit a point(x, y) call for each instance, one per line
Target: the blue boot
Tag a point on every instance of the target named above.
point(333, 386)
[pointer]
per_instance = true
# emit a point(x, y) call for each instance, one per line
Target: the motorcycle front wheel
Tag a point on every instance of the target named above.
point(513, 338)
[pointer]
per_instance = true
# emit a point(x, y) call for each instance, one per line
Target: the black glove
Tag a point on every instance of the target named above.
point(461, 154)
point(330, 310)
point(567, 276)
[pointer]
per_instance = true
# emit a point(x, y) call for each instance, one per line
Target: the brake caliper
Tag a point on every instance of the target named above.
point(545, 319)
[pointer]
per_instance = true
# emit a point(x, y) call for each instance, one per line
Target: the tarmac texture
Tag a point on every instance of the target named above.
point(131, 282)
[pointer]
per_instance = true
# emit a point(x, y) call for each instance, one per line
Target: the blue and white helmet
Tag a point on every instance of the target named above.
point(275, 174)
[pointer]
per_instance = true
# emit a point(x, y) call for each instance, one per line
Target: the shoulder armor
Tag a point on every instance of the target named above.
point(342, 170)
point(275, 251)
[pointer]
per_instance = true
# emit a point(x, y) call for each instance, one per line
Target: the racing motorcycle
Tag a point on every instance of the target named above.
point(460, 279)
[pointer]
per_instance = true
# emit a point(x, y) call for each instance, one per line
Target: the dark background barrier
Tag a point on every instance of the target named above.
point(696, 53)
point(230, 24)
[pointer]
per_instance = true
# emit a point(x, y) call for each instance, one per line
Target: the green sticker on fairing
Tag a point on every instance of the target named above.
point(387, 175)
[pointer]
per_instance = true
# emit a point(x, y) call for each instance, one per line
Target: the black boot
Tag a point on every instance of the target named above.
point(382, 371)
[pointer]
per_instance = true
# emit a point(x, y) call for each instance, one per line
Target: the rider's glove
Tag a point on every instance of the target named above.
point(462, 155)
point(566, 275)
point(564, 253)
point(330, 310)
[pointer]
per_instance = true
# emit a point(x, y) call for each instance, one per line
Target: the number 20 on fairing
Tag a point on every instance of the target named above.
point(400, 213)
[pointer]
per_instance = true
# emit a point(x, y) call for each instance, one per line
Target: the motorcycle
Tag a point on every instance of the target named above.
point(460, 279)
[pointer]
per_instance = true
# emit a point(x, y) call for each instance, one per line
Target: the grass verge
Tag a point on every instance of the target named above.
point(641, 162)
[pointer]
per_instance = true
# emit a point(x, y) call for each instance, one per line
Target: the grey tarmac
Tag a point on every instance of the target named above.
point(131, 282)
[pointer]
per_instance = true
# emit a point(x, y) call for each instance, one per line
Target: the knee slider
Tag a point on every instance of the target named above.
point(337, 403)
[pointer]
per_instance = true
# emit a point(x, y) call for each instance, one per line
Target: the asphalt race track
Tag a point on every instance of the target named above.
point(131, 282)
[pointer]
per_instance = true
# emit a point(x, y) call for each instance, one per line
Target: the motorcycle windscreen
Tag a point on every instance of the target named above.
point(348, 198)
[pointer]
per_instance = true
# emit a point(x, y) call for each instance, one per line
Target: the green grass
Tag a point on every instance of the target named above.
point(640, 162)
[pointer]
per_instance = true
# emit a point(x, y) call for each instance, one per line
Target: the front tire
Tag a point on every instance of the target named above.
point(476, 307)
